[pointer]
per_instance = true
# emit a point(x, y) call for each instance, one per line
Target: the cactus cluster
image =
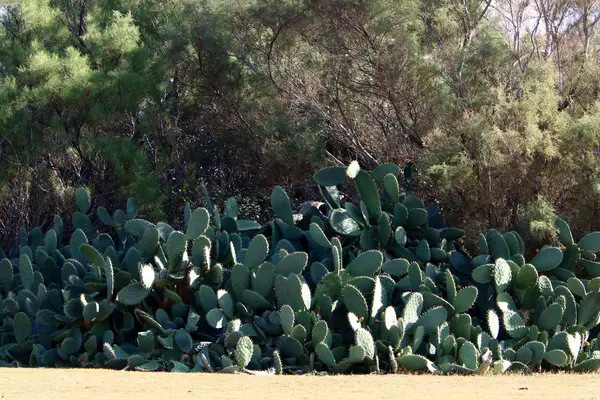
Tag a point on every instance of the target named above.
point(380, 285)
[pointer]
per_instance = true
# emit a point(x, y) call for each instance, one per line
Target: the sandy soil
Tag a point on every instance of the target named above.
point(104, 385)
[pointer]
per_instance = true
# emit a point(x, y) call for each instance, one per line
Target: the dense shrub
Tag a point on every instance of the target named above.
point(377, 284)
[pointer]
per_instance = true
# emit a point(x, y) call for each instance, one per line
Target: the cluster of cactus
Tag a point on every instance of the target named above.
point(379, 285)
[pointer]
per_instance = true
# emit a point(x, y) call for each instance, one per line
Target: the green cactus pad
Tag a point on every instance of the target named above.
point(206, 298)
point(400, 236)
point(493, 323)
point(497, 245)
point(69, 346)
point(257, 251)
point(337, 254)
point(369, 194)
point(22, 327)
point(319, 236)
point(26, 272)
point(289, 347)
point(226, 303)
point(564, 232)
point(450, 286)
point(590, 242)
point(514, 324)
point(280, 203)
point(318, 271)
point(354, 301)
point(413, 362)
point(537, 352)
point(344, 224)
point(545, 286)
point(417, 217)
point(594, 285)
point(574, 343)
point(550, 317)
point(570, 308)
point(366, 264)
point(254, 300)
point(92, 254)
point(330, 176)
point(526, 277)
point(132, 294)
point(547, 259)
point(91, 311)
point(461, 326)
point(216, 318)
point(556, 357)
point(502, 274)
point(197, 224)
point(6, 274)
point(589, 307)
point(390, 183)
point(104, 216)
point(243, 351)
point(240, 279)
point(91, 345)
point(356, 354)
point(432, 319)
point(277, 364)
point(176, 244)
point(524, 355)
point(183, 341)
point(132, 208)
point(589, 365)
point(319, 332)
point(149, 242)
point(483, 274)
point(449, 345)
point(412, 309)
point(576, 287)
point(147, 318)
point(365, 340)
point(262, 279)
point(379, 298)
point(379, 173)
point(293, 263)
point(422, 251)
point(397, 267)
point(512, 242)
point(465, 299)
point(292, 291)
point(415, 276)
point(201, 251)
point(325, 355)
point(592, 268)
point(82, 198)
point(468, 355)
point(452, 233)
point(353, 321)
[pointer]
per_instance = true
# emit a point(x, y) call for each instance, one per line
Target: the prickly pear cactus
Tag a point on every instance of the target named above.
point(376, 285)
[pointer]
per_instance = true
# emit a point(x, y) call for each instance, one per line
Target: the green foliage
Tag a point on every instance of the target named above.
point(248, 294)
point(538, 220)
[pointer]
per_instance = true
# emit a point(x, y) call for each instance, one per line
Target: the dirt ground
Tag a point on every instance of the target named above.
point(103, 385)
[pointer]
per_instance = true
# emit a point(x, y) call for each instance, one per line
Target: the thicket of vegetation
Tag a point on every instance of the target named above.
point(496, 104)
point(376, 286)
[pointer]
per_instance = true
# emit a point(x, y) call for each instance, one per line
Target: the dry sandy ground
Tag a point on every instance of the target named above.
point(104, 385)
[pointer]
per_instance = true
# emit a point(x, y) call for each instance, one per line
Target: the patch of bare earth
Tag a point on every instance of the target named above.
point(16, 384)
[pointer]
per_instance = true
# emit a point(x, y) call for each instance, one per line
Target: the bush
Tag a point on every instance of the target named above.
point(380, 284)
